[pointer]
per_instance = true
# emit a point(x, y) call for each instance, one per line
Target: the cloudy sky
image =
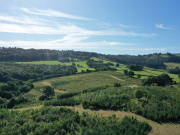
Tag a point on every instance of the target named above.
point(103, 26)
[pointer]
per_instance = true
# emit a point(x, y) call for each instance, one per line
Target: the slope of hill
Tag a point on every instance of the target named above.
point(88, 82)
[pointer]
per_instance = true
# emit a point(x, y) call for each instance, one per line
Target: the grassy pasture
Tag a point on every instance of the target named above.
point(80, 81)
point(177, 54)
point(83, 65)
point(164, 55)
point(150, 71)
point(41, 62)
point(172, 65)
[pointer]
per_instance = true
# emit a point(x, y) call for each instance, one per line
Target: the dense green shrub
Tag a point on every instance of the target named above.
point(151, 102)
point(53, 121)
point(160, 80)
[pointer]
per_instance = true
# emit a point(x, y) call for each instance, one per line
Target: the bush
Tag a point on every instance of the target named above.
point(117, 85)
point(43, 97)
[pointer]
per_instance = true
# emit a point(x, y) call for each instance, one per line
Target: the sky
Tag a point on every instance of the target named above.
point(103, 26)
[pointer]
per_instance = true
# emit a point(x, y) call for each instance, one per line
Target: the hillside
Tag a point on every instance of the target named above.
point(42, 86)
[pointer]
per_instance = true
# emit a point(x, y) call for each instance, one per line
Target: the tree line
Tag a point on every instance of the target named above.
point(19, 54)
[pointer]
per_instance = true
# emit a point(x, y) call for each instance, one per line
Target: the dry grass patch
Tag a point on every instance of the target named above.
point(28, 108)
point(115, 77)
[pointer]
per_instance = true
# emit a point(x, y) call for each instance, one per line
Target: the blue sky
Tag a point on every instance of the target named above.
point(103, 26)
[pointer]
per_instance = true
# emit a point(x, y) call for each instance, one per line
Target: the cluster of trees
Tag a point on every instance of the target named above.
point(48, 91)
point(160, 80)
point(19, 54)
point(151, 60)
point(87, 71)
point(31, 71)
point(172, 58)
point(135, 67)
point(18, 79)
point(64, 121)
point(128, 73)
point(174, 71)
point(99, 65)
point(15, 88)
point(15, 101)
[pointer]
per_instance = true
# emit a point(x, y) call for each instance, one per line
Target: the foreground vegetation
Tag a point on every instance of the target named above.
point(54, 121)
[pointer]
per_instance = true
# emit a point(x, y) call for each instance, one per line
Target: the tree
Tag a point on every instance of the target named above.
point(48, 91)
point(88, 71)
point(117, 65)
point(117, 85)
point(130, 73)
point(139, 94)
point(136, 67)
point(82, 71)
point(138, 76)
point(11, 103)
point(160, 80)
point(164, 79)
point(125, 72)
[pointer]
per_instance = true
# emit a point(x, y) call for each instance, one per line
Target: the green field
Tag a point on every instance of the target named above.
point(41, 62)
point(172, 65)
point(84, 81)
point(83, 65)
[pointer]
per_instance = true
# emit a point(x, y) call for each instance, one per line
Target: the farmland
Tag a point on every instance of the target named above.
point(83, 66)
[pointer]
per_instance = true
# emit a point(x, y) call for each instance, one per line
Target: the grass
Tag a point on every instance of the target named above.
point(41, 62)
point(2, 83)
point(177, 54)
point(83, 65)
point(34, 93)
point(172, 65)
point(164, 55)
point(27, 108)
point(80, 81)
point(151, 71)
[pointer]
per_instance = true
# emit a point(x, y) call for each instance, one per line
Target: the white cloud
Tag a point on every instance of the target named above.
point(52, 13)
point(126, 26)
point(140, 49)
point(22, 19)
point(64, 30)
point(64, 43)
point(161, 26)
point(28, 29)
point(34, 25)
point(74, 36)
